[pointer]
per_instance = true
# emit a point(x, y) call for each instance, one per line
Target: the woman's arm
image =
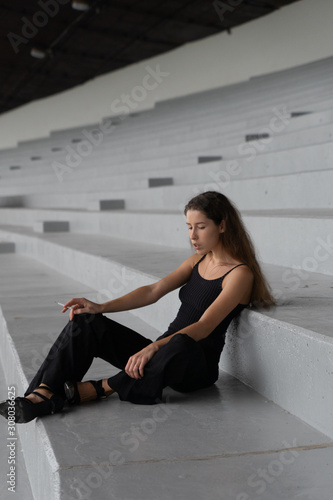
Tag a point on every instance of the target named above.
point(237, 287)
point(139, 297)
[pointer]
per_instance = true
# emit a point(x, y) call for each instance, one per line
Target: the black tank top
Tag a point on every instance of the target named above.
point(196, 296)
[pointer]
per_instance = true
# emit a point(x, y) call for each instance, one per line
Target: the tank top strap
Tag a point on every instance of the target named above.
point(232, 270)
point(202, 258)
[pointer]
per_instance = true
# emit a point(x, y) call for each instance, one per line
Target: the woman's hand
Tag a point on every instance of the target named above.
point(137, 362)
point(80, 306)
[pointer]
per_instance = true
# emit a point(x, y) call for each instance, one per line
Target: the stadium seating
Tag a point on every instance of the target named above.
point(116, 192)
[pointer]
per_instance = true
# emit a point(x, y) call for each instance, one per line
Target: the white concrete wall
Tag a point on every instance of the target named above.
point(295, 35)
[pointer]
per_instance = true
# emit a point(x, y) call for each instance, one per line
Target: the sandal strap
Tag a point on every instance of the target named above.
point(98, 388)
point(46, 388)
point(41, 395)
point(56, 403)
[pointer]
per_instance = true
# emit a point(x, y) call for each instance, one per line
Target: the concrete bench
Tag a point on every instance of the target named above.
point(267, 228)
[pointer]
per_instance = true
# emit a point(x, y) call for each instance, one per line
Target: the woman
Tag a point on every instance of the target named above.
point(218, 282)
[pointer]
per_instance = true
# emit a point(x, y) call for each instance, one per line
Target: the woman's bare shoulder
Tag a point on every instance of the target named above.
point(194, 259)
point(240, 273)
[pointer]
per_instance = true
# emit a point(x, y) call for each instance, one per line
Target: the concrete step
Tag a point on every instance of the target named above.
point(29, 180)
point(283, 140)
point(321, 66)
point(295, 330)
point(207, 124)
point(278, 85)
point(250, 186)
point(237, 117)
point(213, 125)
point(216, 122)
point(148, 125)
point(243, 105)
point(309, 120)
point(235, 132)
point(267, 228)
point(246, 105)
point(228, 129)
point(214, 129)
point(150, 119)
point(69, 457)
point(312, 82)
point(233, 147)
point(248, 88)
point(249, 192)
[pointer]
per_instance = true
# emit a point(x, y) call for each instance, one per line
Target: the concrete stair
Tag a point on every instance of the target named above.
point(113, 450)
point(272, 190)
point(219, 119)
point(268, 229)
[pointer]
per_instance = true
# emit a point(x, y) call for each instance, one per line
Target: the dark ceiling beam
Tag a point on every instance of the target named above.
point(25, 78)
point(189, 20)
point(145, 32)
point(26, 9)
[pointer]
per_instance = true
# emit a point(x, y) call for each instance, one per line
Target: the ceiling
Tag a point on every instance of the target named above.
point(80, 45)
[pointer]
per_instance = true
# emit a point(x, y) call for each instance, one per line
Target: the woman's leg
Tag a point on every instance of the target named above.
point(180, 364)
point(82, 339)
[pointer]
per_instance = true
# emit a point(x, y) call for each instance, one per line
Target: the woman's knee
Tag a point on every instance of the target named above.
point(84, 321)
point(182, 341)
point(182, 351)
point(80, 326)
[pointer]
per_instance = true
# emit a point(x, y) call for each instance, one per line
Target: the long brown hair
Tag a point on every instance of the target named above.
point(235, 239)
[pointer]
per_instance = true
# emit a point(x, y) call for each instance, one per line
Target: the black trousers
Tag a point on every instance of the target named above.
point(180, 364)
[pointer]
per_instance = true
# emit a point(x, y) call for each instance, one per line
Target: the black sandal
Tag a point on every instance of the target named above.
point(73, 395)
point(25, 410)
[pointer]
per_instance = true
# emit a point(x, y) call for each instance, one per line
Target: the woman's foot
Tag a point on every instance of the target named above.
point(82, 392)
point(43, 390)
point(37, 404)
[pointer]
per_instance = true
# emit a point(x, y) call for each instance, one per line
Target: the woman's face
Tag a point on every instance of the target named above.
point(204, 233)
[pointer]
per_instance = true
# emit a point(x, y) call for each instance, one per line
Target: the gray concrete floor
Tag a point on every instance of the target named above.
point(226, 442)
